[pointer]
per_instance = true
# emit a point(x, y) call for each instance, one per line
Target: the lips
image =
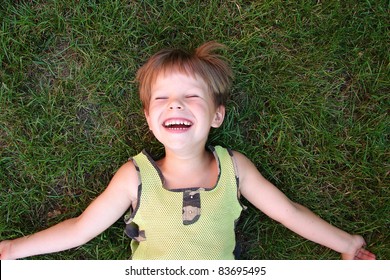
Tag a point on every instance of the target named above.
point(177, 124)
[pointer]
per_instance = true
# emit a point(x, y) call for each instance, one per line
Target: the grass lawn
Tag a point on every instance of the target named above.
point(309, 107)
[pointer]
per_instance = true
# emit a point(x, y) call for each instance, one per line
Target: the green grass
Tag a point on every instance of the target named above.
point(309, 106)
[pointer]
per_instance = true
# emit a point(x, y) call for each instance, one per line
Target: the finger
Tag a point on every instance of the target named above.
point(363, 254)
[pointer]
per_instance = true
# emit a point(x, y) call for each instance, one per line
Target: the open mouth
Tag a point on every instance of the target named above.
point(177, 124)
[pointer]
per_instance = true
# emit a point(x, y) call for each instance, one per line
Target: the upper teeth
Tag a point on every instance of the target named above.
point(177, 122)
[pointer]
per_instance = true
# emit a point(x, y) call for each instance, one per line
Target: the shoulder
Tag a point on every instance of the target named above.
point(247, 172)
point(128, 170)
point(243, 165)
point(242, 161)
point(127, 179)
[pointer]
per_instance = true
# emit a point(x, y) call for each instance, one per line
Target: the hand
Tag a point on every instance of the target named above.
point(5, 248)
point(359, 253)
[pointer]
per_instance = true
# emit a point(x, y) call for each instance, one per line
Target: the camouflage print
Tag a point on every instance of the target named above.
point(132, 229)
point(191, 206)
point(134, 233)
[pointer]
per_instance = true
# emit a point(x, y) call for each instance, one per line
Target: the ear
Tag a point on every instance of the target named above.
point(219, 117)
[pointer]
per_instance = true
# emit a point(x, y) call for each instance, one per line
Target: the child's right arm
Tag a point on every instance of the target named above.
point(106, 209)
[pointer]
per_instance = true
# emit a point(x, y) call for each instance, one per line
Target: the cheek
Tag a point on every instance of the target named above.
point(199, 107)
point(152, 119)
point(149, 120)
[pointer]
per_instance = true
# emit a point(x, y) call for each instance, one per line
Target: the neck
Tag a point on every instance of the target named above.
point(184, 168)
point(182, 159)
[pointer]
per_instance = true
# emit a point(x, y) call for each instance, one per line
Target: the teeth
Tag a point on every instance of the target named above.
point(177, 122)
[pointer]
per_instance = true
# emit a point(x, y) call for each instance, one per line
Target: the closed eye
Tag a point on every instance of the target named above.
point(160, 98)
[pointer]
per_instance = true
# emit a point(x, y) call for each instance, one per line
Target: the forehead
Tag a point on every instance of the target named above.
point(174, 79)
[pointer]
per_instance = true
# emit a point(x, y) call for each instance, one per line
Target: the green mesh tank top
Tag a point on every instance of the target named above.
point(190, 223)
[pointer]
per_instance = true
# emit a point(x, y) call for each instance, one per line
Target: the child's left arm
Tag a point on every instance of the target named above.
point(270, 200)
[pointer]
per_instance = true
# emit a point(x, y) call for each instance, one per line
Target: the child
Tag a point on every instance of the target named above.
point(185, 204)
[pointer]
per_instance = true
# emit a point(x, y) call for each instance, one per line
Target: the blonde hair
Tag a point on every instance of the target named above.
point(202, 62)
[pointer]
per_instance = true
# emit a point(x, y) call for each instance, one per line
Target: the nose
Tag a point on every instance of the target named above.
point(179, 107)
point(176, 105)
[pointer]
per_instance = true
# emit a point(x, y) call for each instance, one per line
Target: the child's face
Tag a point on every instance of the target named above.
point(181, 110)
